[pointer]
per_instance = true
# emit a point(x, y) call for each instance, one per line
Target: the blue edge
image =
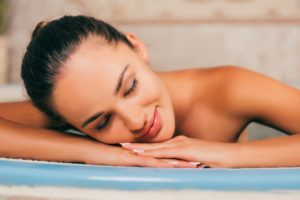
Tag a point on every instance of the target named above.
point(17, 173)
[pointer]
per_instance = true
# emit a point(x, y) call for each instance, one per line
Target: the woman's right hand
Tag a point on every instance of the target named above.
point(102, 154)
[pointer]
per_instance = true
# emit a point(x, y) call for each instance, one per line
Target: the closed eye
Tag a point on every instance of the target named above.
point(104, 123)
point(132, 86)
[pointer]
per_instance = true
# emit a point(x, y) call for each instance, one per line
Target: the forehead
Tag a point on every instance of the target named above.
point(89, 78)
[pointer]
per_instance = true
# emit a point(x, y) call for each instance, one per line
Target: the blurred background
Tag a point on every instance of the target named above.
point(262, 35)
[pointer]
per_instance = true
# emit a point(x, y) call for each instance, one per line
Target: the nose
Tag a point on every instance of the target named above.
point(133, 117)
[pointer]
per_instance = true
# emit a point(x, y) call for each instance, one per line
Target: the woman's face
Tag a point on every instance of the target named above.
point(109, 92)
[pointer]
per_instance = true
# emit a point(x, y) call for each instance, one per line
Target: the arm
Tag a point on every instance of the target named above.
point(19, 141)
point(275, 152)
point(255, 97)
point(259, 98)
point(22, 136)
point(25, 136)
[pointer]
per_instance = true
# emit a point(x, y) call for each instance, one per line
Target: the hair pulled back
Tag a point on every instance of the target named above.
point(51, 45)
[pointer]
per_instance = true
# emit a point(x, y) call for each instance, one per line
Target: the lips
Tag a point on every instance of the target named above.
point(153, 127)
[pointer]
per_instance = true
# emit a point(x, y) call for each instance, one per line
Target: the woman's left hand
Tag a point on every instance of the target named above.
point(207, 153)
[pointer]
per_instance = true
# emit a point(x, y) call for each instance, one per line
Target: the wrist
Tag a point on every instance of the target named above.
point(89, 152)
point(231, 155)
point(240, 156)
point(96, 153)
point(80, 149)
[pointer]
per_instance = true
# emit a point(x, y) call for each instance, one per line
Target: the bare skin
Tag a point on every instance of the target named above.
point(212, 106)
point(228, 99)
point(224, 100)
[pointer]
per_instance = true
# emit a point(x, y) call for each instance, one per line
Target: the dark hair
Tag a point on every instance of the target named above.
point(51, 45)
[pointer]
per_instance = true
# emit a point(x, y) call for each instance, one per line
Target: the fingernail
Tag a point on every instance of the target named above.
point(125, 144)
point(195, 163)
point(138, 150)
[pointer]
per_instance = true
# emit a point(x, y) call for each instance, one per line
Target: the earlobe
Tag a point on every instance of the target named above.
point(138, 46)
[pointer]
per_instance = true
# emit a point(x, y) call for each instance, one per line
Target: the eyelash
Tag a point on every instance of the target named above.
point(106, 121)
point(131, 90)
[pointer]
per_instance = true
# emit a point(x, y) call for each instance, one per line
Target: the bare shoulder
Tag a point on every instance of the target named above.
point(209, 75)
point(25, 113)
point(256, 97)
point(212, 83)
point(206, 83)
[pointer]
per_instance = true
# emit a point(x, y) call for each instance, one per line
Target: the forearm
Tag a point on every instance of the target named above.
point(275, 152)
point(19, 141)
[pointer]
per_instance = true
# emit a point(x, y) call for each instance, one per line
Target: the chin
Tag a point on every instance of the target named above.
point(166, 133)
point(168, 125)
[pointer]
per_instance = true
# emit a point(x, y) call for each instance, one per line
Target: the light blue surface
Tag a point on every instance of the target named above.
point(14, 172)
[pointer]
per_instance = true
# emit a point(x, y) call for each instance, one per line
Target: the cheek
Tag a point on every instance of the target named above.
point(167, 115)
point(154, 92)
point(115, 133)
point(149, 91)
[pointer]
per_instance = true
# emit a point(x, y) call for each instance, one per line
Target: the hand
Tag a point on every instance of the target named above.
point(112, 155)
point(207, 153)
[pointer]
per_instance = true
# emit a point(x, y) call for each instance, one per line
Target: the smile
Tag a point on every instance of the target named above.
point(154, 128)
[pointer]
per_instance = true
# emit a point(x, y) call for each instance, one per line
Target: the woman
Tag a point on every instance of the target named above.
point(83, 73)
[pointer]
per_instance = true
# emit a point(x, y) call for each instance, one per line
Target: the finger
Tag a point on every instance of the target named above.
point(145, 161)
point(145, 146)
point(129, 159)
point(169, 153)
point(164, 153)
point(181, 163)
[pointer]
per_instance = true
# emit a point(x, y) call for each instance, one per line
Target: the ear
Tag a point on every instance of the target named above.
point(138, 46)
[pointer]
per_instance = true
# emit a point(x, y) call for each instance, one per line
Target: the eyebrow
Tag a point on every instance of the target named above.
point(117, 90)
